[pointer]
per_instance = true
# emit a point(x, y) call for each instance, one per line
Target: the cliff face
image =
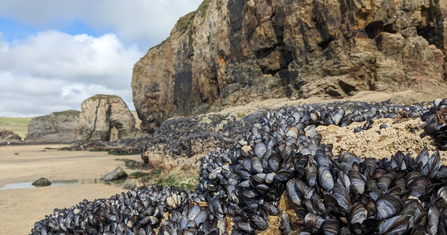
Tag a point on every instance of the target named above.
point(233, 51)
point(105, 117)
point(55, 127)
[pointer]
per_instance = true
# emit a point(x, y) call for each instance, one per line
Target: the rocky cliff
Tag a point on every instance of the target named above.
point(105, 117)
point(234, 51)
point(55, 127)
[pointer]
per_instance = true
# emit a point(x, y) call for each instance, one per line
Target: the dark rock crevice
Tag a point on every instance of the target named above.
point(89, 136)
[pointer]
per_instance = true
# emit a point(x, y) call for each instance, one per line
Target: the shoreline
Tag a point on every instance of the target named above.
point(21, 208)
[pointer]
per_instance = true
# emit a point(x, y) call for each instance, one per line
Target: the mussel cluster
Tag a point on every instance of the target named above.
point(282, 169)
point(134, 212)
point(436, 119)
point(340, 194)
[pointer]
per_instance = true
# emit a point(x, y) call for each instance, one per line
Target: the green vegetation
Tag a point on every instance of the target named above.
point(183, 183)
point(126, 160)
point(95, 150)
point(185, 22)
point(190, 37)
point(65, 149)
point(158, 45)
point(132, 164)
point(67, 113)
point(101, 96)
point(18, 125)
point(157, 173)
point(139, 174)
point(123, 152)
point(203, 7)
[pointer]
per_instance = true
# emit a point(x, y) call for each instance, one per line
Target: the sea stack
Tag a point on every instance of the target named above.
point(105, 117)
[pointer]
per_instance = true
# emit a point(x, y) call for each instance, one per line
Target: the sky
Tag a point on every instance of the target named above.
point(55, 54)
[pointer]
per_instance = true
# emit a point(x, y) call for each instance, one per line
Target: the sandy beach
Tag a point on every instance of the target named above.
point(20, 208)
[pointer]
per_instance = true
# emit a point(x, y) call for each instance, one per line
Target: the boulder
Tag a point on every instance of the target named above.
point(9, 136)
point(231, 52)
point(55, 127)
point(135, 183)
point(105, 117)
point(41, 182)
point(116, 174)
point(5, 133)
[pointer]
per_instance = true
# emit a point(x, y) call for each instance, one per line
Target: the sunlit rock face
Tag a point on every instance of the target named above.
point(231, 52)
point(103, 113)
point(55, 127)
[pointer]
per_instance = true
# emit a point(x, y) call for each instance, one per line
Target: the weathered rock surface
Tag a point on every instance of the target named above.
point(9, 136)
point(55, 127)
point(232, 51)
point(116, 174)
point(105, 117)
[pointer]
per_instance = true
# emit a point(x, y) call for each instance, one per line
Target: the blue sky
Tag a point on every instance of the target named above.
point(13, 30)
point(55, 54)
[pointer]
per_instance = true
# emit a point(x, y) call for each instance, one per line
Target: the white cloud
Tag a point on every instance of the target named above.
point(135, 20)
point(54, 71)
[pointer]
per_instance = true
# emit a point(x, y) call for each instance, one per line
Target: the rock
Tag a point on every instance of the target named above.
point(332, 128)
point(135, 183)
point(9, 136)
point(55, 127)
point(5, 133)
point(114, 133)
point(240, 114)
point(183, 138)
point(231, 52)
point(42, 182)
point(358, 129)
point(116, 174)
point(105, 117)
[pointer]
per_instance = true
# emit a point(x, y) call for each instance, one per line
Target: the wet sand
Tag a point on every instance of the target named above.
point(20, 208)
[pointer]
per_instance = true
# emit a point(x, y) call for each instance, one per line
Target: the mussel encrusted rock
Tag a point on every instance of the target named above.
point(436, 119)
point(279, 180)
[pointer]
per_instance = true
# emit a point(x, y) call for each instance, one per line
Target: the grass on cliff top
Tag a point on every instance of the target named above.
point(203, 7)
point(67, 113)
point(101, 96)
point(185, 22)
point(18, 125)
